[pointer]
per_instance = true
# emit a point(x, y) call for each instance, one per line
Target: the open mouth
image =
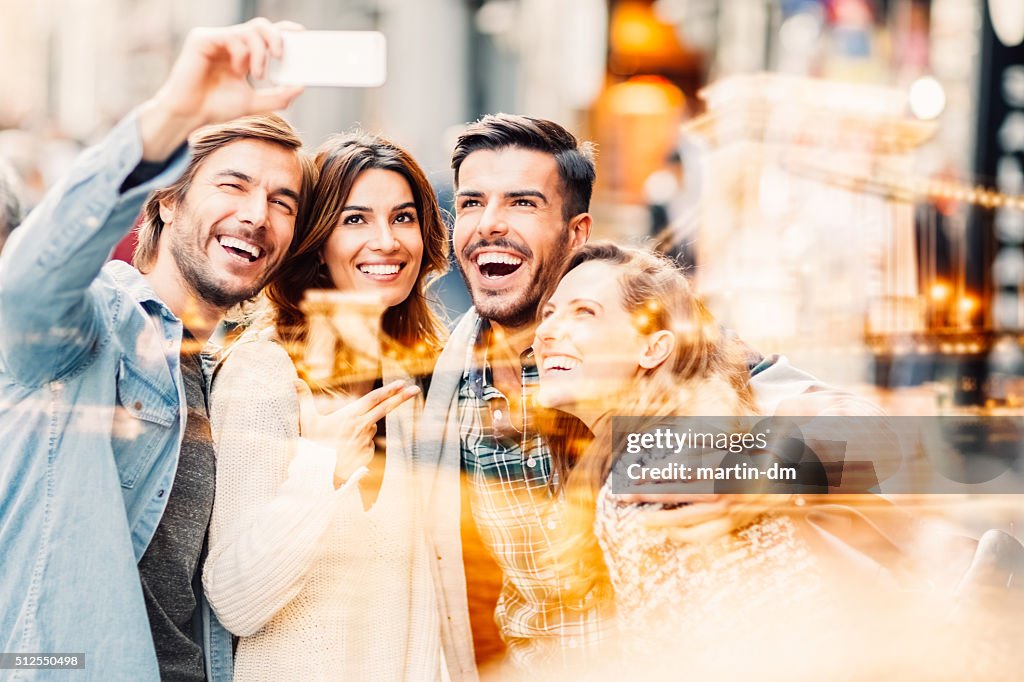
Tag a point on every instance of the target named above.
point(383, 271)
point(242, 250)
point(495, 265)
point(560, 363)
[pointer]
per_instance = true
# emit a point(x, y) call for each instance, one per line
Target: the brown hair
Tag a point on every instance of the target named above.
point(340, 161)
point(575, 159)
point(202, 143)
point(706, 374)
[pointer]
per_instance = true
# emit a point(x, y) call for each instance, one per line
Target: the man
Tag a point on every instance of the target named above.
point(106, 485)
point(10, 202)
point(523, 189)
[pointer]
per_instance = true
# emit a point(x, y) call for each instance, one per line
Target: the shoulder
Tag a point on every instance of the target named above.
point(256, 362)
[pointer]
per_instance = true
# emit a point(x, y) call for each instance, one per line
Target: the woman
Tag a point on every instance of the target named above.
point(321, 570)
point(623, 334)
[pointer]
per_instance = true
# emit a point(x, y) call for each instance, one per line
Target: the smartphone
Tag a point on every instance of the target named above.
point(352, 59)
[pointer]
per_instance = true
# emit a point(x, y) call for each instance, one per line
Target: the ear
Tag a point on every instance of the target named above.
point(658, 349)
point(579, 230)
point(167, 207)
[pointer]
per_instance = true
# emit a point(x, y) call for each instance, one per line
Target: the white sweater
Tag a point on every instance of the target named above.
point(316, 587)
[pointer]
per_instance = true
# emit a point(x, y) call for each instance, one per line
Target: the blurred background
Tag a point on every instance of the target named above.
point(843, 178)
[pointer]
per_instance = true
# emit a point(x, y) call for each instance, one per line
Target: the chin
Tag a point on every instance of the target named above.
point(556, 400)
point(392, 298)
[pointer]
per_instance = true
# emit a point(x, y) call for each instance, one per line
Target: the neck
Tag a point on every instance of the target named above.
point(199, 317)
point(590, 414)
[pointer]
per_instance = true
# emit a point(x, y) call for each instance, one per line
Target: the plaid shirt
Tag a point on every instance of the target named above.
point(518, 515)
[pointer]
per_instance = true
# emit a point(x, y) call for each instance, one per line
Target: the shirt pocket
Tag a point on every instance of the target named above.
point(144, 418)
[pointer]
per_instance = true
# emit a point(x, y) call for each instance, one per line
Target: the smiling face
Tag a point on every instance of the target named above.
point(587, 346)
point(510, 235)
point(232, 229)
point(377, 246)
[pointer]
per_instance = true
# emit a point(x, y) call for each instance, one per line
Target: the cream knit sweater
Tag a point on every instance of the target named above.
point(316, 587)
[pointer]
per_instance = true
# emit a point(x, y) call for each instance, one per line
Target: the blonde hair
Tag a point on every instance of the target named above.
point(706, 374)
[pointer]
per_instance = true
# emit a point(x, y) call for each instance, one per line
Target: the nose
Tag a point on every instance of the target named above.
point(383, 238)
point(492, 221)
point(252, 208)
point(548, 330)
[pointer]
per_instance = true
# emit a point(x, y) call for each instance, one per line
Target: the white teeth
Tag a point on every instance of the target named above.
point(560, 362)
point(250, 249)
point(390, 269)
point(502, 258)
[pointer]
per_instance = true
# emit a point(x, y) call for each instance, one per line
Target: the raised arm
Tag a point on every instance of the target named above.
point(48, 320)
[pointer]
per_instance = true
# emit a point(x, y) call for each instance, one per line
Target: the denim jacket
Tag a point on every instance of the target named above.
point(92, 412)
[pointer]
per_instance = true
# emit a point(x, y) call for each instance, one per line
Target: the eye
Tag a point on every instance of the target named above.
point(405, 217)
point(469, 203)
point(230, 185)
point(354, 219)
point(285, 205)
point(585, 311)
point(548, 312)
point(529, 203)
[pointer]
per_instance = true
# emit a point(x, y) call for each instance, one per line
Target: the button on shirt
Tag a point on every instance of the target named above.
point(92, 412)
point(518, 514)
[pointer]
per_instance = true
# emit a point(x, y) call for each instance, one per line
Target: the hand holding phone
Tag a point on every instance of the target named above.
point(353, 59)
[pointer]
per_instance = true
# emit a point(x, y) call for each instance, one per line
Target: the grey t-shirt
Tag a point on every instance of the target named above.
point(169, 567)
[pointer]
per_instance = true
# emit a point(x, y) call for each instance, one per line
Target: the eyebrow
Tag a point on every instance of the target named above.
point(367, 209)
point(574, 301)
point(520, 193)
point(235, 174)
point(290, 193)
point(282, 191)
point(515, 194)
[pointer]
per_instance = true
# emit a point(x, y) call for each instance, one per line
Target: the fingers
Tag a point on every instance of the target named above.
point(379, 395)
point(237, 52)
point(274, 33)
point(248, 47)
point(271, 99)
point(265, 40)
point(258, 49)
point(269, 36)
point(385, 407)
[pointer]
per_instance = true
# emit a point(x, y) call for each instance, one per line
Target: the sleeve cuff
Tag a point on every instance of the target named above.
point(312, 467)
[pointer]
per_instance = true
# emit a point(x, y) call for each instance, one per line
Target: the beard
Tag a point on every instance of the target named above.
point(199, 274)
point(516, 310)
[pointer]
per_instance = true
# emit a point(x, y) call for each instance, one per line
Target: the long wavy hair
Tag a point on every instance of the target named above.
point(340, 160)
point(706, 374)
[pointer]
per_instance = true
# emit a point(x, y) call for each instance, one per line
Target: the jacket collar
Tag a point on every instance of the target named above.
point(132, 281)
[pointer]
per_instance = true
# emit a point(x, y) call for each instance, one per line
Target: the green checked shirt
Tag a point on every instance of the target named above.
point(518, 515)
